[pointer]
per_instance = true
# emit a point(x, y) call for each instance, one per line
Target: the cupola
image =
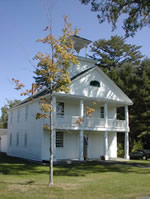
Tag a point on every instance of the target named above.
point(80, 43)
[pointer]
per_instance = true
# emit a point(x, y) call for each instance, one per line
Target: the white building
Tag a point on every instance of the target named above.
point(3, 140)
point(96, 136)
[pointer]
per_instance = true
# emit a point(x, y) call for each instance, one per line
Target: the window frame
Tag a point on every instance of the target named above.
point(25, 139)
point(17, 139)
point(59, 139)
point(60, 107)
point(10, 140)
point(26, 111)
point(18, 115)
point(95, 83)
point(102, 113)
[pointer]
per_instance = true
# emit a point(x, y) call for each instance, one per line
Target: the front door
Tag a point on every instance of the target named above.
point(0, 144)
point(85, 147)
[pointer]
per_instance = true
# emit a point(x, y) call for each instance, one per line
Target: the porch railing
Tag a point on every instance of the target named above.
point(73, 121)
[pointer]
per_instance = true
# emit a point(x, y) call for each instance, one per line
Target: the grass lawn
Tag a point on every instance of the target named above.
point(88, 180)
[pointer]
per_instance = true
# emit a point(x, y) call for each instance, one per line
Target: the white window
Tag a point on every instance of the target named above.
point(10, 139)
point(17, 139)
point(11, 117)
point(101, 112)
point(59, 139)
point(26, 111)
point(95, 83)
point(25, 139)
point(18, 115)
point(60, 109)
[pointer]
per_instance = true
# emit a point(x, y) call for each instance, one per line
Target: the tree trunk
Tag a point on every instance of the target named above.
point(51, 148)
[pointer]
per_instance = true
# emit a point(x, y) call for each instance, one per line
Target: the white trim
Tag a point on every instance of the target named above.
point(126, 146)
point(81, 146)
point(106, 145)
point(106, 115)
point(110, 83)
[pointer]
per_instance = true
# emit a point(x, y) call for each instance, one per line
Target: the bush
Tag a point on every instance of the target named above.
point(120, 150)
point(137, 145)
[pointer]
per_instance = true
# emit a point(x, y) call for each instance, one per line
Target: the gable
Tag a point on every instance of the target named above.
point(107, 91)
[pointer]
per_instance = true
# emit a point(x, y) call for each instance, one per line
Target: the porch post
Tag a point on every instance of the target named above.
point(126, 146)
point(126, 141)
point(127, 118)
point(81, 132)
point(81, 108)
point(81, 146)
point(54, 145)
point(54, 127)
point(106, 115)
point(106, 145)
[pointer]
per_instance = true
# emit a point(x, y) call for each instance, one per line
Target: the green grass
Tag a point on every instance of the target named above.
point(98, 180)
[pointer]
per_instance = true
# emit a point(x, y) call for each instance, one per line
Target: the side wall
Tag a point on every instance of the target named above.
point(96, 145)
point(25, 132)
point(70, 149)
point(112, 145)
point(3, 143)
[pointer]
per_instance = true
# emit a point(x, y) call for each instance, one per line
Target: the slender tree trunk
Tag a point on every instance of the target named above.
point(51, 148)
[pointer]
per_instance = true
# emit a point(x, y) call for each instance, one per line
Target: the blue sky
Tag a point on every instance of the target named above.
point(23, 21)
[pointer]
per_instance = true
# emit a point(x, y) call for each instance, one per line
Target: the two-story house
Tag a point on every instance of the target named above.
point(94, 137)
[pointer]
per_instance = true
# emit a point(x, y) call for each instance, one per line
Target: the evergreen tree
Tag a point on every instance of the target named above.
point(122, 63)
point(115, 52)
point(143, 102)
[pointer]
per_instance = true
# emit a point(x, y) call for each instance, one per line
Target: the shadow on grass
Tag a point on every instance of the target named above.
point(82, 169)
point(17, 166)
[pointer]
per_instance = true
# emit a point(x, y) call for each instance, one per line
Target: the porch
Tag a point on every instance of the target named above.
point(81, 145)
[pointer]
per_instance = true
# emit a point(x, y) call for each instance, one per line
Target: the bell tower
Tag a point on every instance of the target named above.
point(80, 43)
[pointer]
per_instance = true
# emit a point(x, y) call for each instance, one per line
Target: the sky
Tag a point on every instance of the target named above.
point(22, 22)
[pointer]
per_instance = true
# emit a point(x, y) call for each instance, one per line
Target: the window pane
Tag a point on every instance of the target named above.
point(25, 139)
point(95, 83)
point(60, 108)
point(101, 112)
point(59, 139)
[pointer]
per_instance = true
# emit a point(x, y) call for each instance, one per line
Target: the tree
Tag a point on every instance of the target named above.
point(143, 102)
point(52, 75)
point(4, 111)
point(115, 52)
point(136, 13)
point(123, 64)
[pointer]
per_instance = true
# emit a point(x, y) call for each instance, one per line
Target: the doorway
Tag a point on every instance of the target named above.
point(85, 147)
point(0, 144)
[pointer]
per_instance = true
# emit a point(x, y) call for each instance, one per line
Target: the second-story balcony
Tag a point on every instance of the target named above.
point(87, 123)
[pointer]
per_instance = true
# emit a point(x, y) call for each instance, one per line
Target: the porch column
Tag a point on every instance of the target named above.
point(81, 108)
point(126, 146)
point(106, 115)
point(127, 118)
point(106, 145)
point(81, 146)
point(54, 145)
point(81, 131)
point(126, 140)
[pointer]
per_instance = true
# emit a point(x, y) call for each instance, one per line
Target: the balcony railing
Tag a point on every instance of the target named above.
point(88, 122)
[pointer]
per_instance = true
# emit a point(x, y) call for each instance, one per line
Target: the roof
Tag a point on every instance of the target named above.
point(80, 43)
point(74, 77)
point(45, 91)
point(3, 131)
